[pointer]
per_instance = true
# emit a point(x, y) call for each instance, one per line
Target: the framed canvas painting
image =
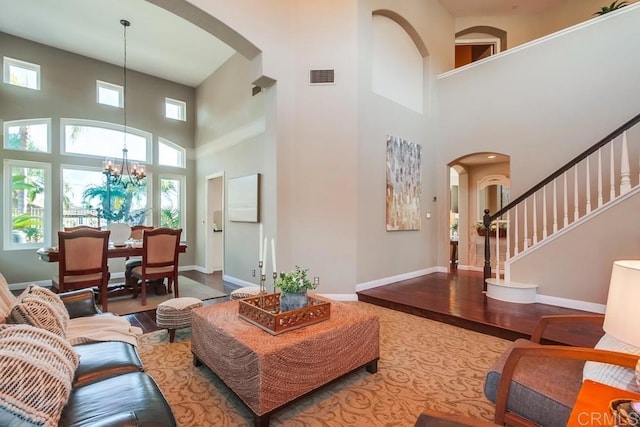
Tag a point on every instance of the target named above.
point(243, 200)
point(404, 177)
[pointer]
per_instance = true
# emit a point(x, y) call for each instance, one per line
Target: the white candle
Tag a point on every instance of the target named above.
point(264, 263)
point(273, 254)
point(260, 244)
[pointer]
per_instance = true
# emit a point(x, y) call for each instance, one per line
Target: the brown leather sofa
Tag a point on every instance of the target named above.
point(110, 387)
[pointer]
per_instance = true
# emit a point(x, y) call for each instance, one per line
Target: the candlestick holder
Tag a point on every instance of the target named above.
point(263, 277)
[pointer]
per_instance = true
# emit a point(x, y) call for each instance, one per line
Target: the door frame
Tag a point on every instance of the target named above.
point(211, 236)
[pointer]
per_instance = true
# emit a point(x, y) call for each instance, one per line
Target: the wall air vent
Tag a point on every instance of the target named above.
point(321, 77)
point(255, 90)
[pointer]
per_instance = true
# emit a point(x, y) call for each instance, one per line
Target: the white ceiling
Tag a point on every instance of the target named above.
point(160, 43)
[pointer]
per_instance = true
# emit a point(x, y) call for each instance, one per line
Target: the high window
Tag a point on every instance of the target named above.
point(172, 202)
point(105, 140)
point(170, 154)
point(110, 94)
point(21, 73)
point(175, 109)
point(28, 135)
point(27, 193)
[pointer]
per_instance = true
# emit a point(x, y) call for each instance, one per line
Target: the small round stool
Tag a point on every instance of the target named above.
point(248, 292)
point(176, 313)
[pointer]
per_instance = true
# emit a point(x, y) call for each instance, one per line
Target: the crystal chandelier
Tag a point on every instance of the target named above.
point(124, 175)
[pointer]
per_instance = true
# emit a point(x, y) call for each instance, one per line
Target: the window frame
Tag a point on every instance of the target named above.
point(22, 122)
point(7, 62)
point(8, 164)
point(64, 122)
point(182, 197)
point(110, 86)
point(178, 148)
point(181, 105)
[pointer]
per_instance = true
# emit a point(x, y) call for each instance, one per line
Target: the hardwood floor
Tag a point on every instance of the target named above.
point(147, 319)
point(455, 298)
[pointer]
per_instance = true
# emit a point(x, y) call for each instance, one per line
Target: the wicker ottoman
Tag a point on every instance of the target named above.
point(248, 292)
point(176, 313)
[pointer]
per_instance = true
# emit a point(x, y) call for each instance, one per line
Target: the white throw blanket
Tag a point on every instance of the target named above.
point(101, 328)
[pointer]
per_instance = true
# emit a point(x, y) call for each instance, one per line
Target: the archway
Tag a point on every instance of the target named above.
point(475, 173)
point(475, 43)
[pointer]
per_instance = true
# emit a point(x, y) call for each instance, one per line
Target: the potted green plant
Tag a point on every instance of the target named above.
point(502, 229)
point(293, 287)
point(613, 6)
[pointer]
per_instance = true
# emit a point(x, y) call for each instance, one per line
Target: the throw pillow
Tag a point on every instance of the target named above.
point(37, 312)
point(48, 296)
point(37, 374)
point(613, 375)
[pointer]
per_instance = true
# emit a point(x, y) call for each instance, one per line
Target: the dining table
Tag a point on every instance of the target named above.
point(130, 249)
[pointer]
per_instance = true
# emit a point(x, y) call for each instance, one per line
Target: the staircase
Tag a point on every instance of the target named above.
point(596, 180)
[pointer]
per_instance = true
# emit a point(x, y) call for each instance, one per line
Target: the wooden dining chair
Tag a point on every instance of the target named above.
point(137, 231)
point(83, 261)
point(81, 227)
point(159, 260)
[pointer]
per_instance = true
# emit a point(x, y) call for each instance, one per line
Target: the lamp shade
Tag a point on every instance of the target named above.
point(623, 302)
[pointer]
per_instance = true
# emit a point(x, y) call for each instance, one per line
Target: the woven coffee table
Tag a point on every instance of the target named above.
point(265, 371)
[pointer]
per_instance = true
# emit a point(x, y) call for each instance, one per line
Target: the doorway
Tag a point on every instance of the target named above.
point(215, 224)
point(476, 182)
point(468, 51)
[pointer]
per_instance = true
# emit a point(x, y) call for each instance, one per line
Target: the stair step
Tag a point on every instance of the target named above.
point(522, 293)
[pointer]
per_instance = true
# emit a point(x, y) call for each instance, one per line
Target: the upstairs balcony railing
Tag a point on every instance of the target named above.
point(598, 176)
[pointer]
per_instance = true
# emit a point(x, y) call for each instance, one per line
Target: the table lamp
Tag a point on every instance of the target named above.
point(622, 304)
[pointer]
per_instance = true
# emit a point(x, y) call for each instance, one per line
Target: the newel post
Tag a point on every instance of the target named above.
point(486, 221)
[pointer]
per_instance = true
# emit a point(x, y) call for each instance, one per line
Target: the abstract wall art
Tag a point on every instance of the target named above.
point(404, 175)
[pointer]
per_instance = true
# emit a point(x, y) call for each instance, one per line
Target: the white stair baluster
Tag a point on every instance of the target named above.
point(612, 175)
point(625, 172)
point(544, 212)
point(534, 224)
point(515, 236)
point(599, 177)
point(555, 205)
point(588, 187)
point(525, 231)
point(576, 211)
point(565, 216)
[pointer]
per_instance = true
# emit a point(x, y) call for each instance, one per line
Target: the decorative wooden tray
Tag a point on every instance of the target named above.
point(264, 312)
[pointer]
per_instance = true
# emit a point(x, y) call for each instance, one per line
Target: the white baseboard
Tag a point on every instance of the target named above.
point(340, 297)
point(241, 283)
point(388, 280)
point(569, 303)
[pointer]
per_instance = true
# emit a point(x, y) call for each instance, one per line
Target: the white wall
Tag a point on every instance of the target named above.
point(543, 104)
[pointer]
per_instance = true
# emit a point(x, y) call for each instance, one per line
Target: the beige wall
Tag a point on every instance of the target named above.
point(542, 107)
point(68, 90)
point(382, 254)
point(230, 140)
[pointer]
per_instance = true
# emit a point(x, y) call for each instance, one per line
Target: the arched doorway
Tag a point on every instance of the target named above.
point(477, 181)
point(475, 43)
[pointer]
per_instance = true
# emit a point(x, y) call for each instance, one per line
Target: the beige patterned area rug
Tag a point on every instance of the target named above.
point(423, 364)
point(125, 304)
